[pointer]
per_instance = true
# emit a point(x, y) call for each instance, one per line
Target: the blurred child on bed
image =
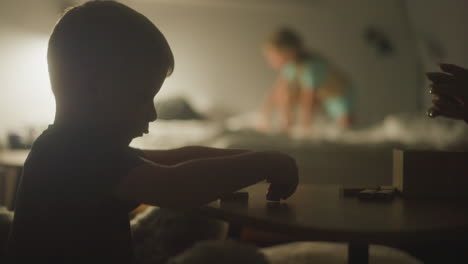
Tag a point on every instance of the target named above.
point(306, 81)
point(81, 179)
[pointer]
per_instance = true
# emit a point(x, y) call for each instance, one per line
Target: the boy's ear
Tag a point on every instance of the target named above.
point(93, 81)
point(82, 76)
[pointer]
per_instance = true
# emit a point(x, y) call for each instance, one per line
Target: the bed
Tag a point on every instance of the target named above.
point(326, 155)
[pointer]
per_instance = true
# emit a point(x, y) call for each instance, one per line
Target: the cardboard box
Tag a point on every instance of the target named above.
point(430, 174)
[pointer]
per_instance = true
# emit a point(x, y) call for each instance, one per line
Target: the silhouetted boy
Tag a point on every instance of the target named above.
point(106, 64)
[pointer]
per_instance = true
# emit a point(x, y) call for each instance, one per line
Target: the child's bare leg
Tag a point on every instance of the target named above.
point(308, 105)
point(306, 116)
point(288, 103)
point(287, 117)
point(264, 122)
point(345, 121)
point(273, 102)
point(270, 105)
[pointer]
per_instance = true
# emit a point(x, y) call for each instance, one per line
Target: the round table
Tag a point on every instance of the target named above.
point(323, 213)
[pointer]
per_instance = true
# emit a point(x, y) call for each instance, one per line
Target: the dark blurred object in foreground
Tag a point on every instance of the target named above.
point(15, 141)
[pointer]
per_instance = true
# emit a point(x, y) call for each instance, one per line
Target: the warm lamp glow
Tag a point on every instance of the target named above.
point(27, 97)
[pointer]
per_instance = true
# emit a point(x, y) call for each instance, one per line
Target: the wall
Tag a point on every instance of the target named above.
point(25, 96)
point(218, 58)
point(440, 30)
point(217, 49)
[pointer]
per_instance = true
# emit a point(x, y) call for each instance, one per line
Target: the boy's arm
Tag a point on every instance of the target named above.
point(197, 182)
point(175, 156)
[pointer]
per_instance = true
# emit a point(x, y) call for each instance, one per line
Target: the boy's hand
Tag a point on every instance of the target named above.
point(284, 179)
point(450, 90)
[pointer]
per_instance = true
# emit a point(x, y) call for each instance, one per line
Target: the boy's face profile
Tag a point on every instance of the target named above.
point(128, 103)
point(106, 63)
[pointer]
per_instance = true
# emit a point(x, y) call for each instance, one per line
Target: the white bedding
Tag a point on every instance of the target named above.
point(404, 130)
point(177, 133)
point(326, 155)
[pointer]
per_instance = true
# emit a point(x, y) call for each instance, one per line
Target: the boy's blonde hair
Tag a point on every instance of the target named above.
point(104, 38)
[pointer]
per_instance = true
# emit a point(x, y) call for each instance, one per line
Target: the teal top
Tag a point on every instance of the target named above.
point(312, 75)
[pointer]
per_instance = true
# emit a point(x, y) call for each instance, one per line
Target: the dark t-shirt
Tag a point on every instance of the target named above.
point(66, 206)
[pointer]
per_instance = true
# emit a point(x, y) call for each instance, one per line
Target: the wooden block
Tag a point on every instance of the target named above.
point(352, 191)
point(367, 194)
point(384, 194)
point(236, 196)
point(430, 174)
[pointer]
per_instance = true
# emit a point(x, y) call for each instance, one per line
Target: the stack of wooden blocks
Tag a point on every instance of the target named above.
point(430, 174)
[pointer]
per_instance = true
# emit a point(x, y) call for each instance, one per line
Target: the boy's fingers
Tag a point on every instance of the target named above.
point(449, 109)
point(447, 90)
point(446, 96)
point(280, 191)
point(440, 78)
point(457, 92)
point(273, 193)
point(443, 102)
point(292, 186)
point(291, 191)
point(454, 69)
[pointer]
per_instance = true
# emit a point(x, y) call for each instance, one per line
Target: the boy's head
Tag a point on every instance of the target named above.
point(281, 47)
point(106, 64)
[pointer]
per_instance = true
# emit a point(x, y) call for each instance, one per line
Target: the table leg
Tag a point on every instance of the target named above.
point(358, 253)
point(234, 231)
